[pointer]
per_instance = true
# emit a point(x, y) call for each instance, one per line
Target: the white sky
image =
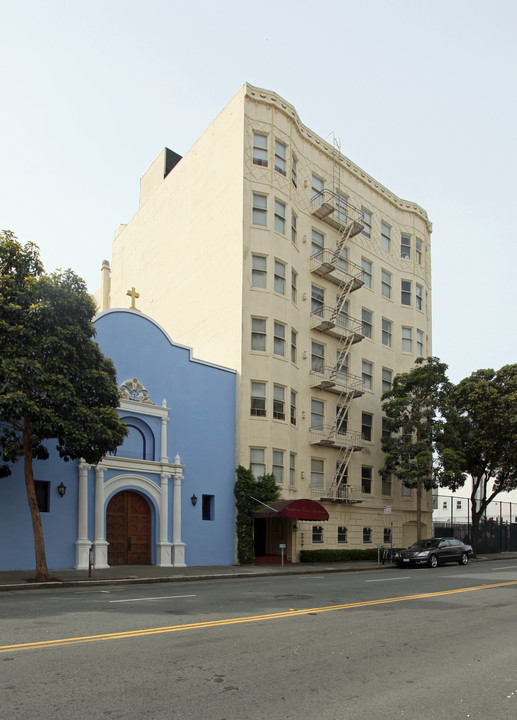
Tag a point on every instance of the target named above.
point(421, 93)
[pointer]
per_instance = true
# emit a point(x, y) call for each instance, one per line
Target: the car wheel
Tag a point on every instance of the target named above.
point(463, 559)
point(433, 561)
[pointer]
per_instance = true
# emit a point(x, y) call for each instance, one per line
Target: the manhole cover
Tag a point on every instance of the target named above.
point(293, 597)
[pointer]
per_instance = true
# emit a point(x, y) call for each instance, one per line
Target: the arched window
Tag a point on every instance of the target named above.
point(140, 443)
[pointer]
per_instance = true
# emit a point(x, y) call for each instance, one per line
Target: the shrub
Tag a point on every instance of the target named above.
point(340, 555)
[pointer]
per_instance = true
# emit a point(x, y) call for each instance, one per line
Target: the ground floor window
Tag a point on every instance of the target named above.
point(317, 534)
point(342, 535)
point(367, 535)
point(208, 507)
point(42, 488)
point(387, 535)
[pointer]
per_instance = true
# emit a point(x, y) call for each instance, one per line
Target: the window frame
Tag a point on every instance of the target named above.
point(258, 401)
point(278, 402)
point(259, 212)
point(282, 159)
point(259, 333)
point(385, 236)
point(279, 338)
point(367, 273)
point(387, 332)
point(367, 323)
point(405, 246)
point(280, 276)
point(386, 284)
point(257, 272)
point(367, 222)
point(260, 149)
point(280, 216)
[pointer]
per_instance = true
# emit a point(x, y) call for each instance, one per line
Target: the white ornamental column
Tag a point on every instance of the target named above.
point(164, 458)
point(99, 543)
point(178, 547)
point(82, 544)
point(164, 546)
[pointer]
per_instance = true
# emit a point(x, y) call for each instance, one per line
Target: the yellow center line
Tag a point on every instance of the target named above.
point(235, 621)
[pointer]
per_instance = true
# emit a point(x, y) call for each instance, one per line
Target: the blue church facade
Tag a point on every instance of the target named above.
point(166, 496)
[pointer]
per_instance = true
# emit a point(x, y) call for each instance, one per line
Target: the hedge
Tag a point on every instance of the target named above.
point(339, 555)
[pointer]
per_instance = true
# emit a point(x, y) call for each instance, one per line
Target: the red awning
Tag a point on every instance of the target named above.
point(297, 509)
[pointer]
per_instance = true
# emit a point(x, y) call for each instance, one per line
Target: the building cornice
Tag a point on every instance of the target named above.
point(267, 97)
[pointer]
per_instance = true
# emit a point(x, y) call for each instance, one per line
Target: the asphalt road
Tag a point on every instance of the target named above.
point(413, 643)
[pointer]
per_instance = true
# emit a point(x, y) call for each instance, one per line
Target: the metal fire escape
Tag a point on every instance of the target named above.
point(333, 208)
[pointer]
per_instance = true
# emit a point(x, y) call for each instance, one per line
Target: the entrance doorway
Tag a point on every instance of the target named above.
point(128, 529)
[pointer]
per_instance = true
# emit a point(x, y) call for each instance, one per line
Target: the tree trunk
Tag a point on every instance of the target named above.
point(39, 544)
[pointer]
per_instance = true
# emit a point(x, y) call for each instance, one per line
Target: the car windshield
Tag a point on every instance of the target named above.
point(425, 544)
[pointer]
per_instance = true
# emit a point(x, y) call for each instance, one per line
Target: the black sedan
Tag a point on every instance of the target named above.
point(433, 552)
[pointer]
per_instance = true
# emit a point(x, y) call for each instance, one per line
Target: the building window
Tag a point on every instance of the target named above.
point(385, 428)
point(42, 490)
point(444, 505)
point(341, 207)
point(318, 186)
point(366, 480)
point(407, 339)
point(259, 271)
point(278, 466)
point(386, 284)
point(278, 402)
point(317, 245)
point(258, 334)
point(317, 300)
point(405, 292)
point(341, 420)
point(293, 407)
point(280, 217)
point(367, 223)
point(419, 294)
point(385, 236)
point(342, 365)
point(279, 277)
point(294, 170)
point(316, 473)
point(420, 343)
point(387, 379)
point(342, 260)
point(294, 337)
point(435, 502)
point(317, 534)
point(406, 491)
point(341, 534)
point(386, 485)
point(279, 339)
point(257, 464)
point(366, 426)
point(342, 311)
point(317, 414)
point(317, 357)
point(367, 373)
point(367, 535)
point(258, 399)
point(342, 477)
point(367, 272)
point(280, 157)
point(259, 149)
point(292, 469)
point(405, 246)
point(386, 332)
point(367, 320)
point(294, 221)
point(418, 246)
point(387, 535)
point(259, 209)
point(207, 507)
point(294, 284)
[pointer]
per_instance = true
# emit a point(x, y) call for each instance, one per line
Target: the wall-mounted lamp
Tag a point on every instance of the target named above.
point(193, 500)
point(61, 489)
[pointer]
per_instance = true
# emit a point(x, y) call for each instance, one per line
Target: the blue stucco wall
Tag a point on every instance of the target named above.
point(201, 429)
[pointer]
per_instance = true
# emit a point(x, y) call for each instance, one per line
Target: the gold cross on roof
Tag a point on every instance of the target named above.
point(133, 295)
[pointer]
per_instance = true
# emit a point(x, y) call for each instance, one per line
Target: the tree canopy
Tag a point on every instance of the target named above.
point(413, 424)
point(55, 383)
point(480, 438)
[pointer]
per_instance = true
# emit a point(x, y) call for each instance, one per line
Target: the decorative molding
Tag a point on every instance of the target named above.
point(132, 389)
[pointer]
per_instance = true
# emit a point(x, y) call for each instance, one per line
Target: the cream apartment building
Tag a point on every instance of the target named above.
point(267, 250)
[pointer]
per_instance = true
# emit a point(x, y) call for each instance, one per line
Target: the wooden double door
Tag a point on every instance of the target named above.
point(128, 529)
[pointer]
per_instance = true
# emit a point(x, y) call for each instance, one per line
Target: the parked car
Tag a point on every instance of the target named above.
point(433, 552)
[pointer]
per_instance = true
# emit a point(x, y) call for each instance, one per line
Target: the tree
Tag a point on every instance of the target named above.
point(55, 384)
point(414, 419)
point(247, 491)
point(480, 438)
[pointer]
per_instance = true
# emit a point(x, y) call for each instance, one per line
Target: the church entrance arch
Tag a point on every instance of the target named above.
point(128, 529)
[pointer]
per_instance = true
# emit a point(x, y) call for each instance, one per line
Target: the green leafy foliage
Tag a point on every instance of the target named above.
point(480, 438)
point(247, 491)
point(55, 383)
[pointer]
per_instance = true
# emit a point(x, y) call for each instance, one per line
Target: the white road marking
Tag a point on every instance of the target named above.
point(508, 567)
point(405, 577)
point(162, 597)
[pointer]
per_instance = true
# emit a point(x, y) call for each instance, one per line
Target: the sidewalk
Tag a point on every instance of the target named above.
point(132, 574)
